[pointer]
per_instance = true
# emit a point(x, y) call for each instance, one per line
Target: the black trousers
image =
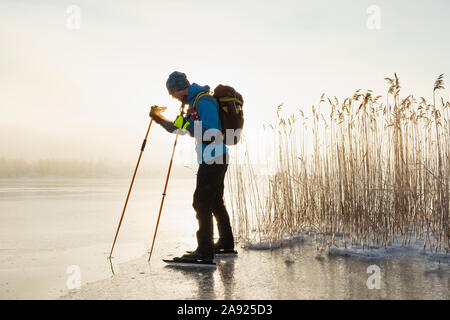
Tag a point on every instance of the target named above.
point(208, 201)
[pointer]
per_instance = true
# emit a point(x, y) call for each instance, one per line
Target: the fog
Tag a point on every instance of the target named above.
point(83, 95)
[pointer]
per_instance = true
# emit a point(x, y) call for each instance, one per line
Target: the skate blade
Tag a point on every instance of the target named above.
point(190, 264)
point(233, 253)
point(222, 253)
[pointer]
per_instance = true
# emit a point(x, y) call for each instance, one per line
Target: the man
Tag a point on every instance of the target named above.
point(213, 163)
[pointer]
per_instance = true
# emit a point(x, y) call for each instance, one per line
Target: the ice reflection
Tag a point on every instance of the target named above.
point(215, 283)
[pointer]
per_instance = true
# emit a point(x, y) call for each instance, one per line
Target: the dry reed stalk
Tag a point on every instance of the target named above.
point(376, 172)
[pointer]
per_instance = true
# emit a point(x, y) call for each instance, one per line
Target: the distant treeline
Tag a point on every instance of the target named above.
point(15, 168)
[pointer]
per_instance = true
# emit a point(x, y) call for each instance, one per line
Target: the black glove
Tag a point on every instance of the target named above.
point(155, 114)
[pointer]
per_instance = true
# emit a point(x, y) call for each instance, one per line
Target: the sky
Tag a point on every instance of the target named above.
point(85, 93)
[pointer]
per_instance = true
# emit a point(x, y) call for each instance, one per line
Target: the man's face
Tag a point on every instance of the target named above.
point(181, 95)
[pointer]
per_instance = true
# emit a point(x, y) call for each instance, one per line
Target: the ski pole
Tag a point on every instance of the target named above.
point(163, 196)
point(131, 186)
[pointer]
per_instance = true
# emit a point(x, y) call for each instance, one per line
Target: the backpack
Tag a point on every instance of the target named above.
point(230, 112)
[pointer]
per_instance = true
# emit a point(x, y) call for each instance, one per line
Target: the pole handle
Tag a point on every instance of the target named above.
point(143, 144)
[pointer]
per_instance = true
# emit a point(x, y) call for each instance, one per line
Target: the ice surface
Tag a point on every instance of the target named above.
point(46, 226)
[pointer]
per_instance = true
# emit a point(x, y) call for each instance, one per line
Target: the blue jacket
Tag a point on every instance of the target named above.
point(208, 112)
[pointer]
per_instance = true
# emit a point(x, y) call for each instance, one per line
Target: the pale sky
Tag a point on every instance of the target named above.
point(85, 93)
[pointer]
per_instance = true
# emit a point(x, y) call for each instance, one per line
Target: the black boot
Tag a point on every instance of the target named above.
point(195, 256)
point(222, 246)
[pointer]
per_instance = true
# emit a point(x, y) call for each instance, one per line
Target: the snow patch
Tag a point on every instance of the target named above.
point(285, 241)
point(433, 261)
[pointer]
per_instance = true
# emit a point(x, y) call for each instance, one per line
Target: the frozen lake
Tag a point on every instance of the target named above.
point(47, 226)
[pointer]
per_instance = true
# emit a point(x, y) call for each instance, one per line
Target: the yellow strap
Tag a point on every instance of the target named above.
point(238, 108)
point(227, 99)
point(203, 94)
point(239, 103)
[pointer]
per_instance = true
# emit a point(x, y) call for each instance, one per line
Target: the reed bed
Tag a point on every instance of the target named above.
point(370, 170)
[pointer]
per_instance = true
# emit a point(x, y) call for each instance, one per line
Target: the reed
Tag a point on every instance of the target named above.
point(378, 170)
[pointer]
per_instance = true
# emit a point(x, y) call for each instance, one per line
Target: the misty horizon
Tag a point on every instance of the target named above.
point(22, 168)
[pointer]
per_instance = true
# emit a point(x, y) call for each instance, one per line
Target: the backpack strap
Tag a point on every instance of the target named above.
point(193, 109)
point(228, 99)
point(238, 103)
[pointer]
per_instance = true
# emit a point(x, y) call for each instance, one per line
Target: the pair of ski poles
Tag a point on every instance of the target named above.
point(131, 186)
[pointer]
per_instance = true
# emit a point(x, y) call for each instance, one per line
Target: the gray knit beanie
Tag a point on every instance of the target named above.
point(177, 81)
